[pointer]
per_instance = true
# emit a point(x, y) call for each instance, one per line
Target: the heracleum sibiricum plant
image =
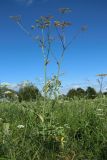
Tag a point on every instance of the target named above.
point(100, 81)
point(48, 31)
point(45, 28)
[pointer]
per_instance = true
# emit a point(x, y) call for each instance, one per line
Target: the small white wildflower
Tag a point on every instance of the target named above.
point(20, 126)
point(99, 109)
point(102, 118)
point(8, 92)
point(15, 95)
point(1, 119)
point(66, 101)
point(6, 127)
point(60, 102)
point(99, 114)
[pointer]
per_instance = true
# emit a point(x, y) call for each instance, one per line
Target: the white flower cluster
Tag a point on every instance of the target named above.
point(99, 112)
point(20, 126)
point(8, 92)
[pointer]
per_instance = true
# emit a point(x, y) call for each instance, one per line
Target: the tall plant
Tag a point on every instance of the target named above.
point(45, 28)
point(100, 81)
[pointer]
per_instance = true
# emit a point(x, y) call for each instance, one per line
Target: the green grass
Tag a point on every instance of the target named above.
point(74, 130)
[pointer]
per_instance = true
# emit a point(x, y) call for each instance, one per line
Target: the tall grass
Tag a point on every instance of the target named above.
point(73, 130)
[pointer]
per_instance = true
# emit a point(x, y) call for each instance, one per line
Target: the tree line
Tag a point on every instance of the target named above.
point(30, 92)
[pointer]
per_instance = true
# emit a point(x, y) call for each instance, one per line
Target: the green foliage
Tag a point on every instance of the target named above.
point(62, 97)
point(52, 87)
point(73, 130)
point(79, 92)
point(105, 93)
point(7, 93)
point(72, 93)
point(28, 92)
point(91, 93)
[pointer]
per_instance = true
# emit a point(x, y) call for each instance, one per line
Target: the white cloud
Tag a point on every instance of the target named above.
point(27, 2)
point(67, 87)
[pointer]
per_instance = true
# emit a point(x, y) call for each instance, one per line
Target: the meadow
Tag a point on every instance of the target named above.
point(44, 124)
point(63, 130)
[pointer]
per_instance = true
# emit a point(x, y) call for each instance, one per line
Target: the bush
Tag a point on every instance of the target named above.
point(28, 92)
point(79, 92)
point(91, 93)
point(72, 93)
point(7, 94)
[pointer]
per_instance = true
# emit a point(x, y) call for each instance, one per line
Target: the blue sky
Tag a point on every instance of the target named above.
point(20, 58)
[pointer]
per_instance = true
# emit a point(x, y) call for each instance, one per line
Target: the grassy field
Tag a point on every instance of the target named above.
point(63, 130)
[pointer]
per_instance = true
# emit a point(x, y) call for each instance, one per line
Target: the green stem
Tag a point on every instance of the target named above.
point(45, 66)
point(45, 76)
point(59, 67)
point(57, 79)
point(45, 80)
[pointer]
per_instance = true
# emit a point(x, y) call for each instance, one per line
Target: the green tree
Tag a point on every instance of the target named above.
point(72, 93)
point(62, 96)
point(91, 93)
point(28, 92)
point(105, 93)
point(7, 93)
point(80, 92)
point(1, 93)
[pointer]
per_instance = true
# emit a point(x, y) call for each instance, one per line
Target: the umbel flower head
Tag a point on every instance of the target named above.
point(84, 28)
point(62, 24)
point(64, 10)
point(43, 22)
point(102, 75)
point(16, 18)
point(8, 92)
point(20, 126)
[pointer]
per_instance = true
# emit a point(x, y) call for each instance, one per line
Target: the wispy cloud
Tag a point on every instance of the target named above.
point(44, 1)
point(27, 2)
